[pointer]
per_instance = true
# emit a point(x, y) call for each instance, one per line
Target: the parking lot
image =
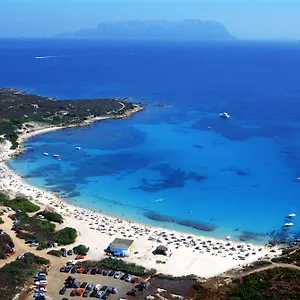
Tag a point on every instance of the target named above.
point(56, 281)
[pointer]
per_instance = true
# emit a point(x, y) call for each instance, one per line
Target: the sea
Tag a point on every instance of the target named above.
point(176, 164)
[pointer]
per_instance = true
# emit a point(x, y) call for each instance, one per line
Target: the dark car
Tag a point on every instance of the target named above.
point(109, 289)
point(73, 293)
point(123, 276)
point(62, 269)
point(74, 270)
point(86, 270)
point(86, 293)
point(83, 285)
point(90, 287)
point(77, 284)
point(141, 286)
point(94, 271)
point(131, 293)
point(99, 271)
point(63, 291)
point(105, 296)
point(103, 288)
point(93, 294)
point(111, 273)
point(105, 272)
point(68, 269)
point(70, 252)
point(65, 299)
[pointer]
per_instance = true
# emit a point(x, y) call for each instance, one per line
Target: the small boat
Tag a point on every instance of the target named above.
point(224, 115)
point(292, 215)
point(46, 153)
point(55, 155)
point(159, 200)
point(228, 237)
point(289, 224)
point(78, 148)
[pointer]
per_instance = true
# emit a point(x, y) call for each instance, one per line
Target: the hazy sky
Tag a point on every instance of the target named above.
point(261, 19)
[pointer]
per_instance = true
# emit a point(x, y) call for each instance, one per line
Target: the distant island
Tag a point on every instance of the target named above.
point(156, 29)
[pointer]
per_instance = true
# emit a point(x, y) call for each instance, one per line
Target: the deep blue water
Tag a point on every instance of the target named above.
point(235, 176)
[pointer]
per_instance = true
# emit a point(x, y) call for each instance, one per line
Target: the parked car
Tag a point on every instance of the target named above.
point(63, 291)
point(36, 295)
point(73, 293)
point(105, 272)
point(117, 275)
point(86, 293)
point(115, 290)
point(109, 289)
point(100, 294)
point(34, 244)
point(83, 285)
point(85, 271)
point(97, 287)
point(80, 270)
point(131, 293)
point(128, 277)
point(105, 296)
point(111, 273)
point(79, 292)
point(77, 284)
point(90, 286)
point(141, 286)
point(62, 269)
point(74, 270)
point(70, 252)
point(68, 269)
point(94, 271)
point(99, 271)
point(94, 293)
point(104, 288)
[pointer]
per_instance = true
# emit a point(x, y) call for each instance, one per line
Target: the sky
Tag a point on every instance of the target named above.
point(245, 19)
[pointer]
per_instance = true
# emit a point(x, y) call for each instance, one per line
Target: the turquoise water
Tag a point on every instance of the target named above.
point(180, 164)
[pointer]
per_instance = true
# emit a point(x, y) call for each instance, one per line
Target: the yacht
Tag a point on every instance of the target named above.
point(289, 224)
point(46, 153)
point(292, 215)
point(78, 148)
point(224, 115)
point(55, 155)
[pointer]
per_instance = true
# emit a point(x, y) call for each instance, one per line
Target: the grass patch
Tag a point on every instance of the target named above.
point(14, 275)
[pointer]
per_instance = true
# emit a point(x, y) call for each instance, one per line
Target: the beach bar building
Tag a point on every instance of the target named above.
point(121, 247)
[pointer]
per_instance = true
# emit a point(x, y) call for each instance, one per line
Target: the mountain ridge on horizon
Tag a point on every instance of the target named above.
point(185, 29)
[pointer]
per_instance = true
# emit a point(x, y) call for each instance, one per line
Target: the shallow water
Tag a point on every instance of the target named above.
point(179, 166)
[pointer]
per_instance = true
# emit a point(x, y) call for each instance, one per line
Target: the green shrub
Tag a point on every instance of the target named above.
point(65, 236)
point(56, 253)
point(80, 249)
point(42, 246)
point(52, 216)
point(19, 203)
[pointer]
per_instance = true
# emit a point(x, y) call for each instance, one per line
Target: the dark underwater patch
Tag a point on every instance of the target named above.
point(188, 223)
point(238, 172)
point(169, 178)
point(248, 236)
point(198, 146)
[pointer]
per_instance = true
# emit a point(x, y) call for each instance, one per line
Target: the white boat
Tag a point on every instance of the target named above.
point(78, 148)
point(159, 200)
point(292, 215)
point(46, 153)
point(289, 224)
point(224, 115)
point(55, 155)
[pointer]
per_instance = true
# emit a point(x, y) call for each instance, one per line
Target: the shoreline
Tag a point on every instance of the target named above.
point(191, 254)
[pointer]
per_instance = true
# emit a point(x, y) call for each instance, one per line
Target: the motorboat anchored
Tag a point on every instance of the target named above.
point(224, 115)
point(46, 153)
point(292, 215)
point(78, 148)
point(55, 155)
point(289, 224)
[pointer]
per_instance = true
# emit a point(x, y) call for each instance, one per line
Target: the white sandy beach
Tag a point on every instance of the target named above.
point(197, 255)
